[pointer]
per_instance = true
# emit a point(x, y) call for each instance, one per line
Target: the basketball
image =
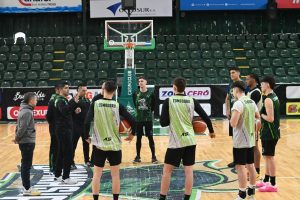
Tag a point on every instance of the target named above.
point(124, 127)
point(199, 126)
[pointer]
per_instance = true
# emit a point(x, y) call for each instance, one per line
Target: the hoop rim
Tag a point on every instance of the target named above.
point(122, 47)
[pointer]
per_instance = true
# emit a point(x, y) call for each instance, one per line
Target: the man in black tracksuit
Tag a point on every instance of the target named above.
point(79, 116)
point(53, 141)
point(63, 130)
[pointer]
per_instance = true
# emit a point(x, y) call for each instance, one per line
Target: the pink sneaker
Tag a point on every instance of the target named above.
point(260, 184)
point(268, 188)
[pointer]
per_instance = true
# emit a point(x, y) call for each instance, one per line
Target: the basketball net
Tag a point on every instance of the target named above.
point(129, 45)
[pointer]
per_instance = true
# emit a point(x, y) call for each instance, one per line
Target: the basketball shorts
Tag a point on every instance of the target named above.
point(268, 147)
point(144, 128)
point(243, 156)
point(99, 157)
point(184, 154)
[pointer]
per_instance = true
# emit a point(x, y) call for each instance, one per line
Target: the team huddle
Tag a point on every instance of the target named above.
point(97, 123)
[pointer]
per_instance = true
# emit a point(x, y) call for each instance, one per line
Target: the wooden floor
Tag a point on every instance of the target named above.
point(287, 155)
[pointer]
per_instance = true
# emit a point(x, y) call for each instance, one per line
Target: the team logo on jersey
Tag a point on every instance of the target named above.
point(142, 104)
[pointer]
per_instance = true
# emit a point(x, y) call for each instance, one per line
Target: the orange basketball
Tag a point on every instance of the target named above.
point(124, 127)
point(199, 126)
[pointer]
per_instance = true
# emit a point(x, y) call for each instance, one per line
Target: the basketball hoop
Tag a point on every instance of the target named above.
point(129, 45)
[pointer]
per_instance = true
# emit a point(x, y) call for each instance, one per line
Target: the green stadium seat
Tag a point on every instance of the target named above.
point(117, 64)
point(38, 48)
point(199, 73)
point(215, 46)
point(226, 46)
point(13, 57)
point(18, 84)
point(280, 71)
point(92, 65)
point(187, 73)
point(202, 37)
point(184, 55)
point(116, 56)
point(65, 75)
point(281, 45)
point(262, 54)
point(160, 47)
point(78, 40)
point(183, 38)
point(23, 66)
point(77, 75)
point(250, 54)
point(26, 48)
point(218, 54)
point(93, 47)
point(77, 82)
point(253, 62)
point(151, 73)
point(4, 49)
point(80, 65)
point(270, 45)
point(94, 56)
point(5, 84)
point(3, 57)
point(49, 40)
point(212, 80)
point(162, 64)
point(195, 64)
point(49, 48)
point(204, 46)
point(30, 40)
point(171, 47)
point(162, 55)
point(268, 71)
point(295, 53)
point(258, 45)
point(2, 67)
point(190, 81)
point(164, 82)
point(292, 44)
point(104, 56)
point(265, 62)
point(20, 76)
point(11, 66)
point(48, 57)
point(206, 54)
point(200, 81)
point(36, 57)
point(285, 53)
point(103, 65)
point(220, 63)
point(229, 54)
point(274, 37)
point(173, 64)
point(182, 47)
point(170, 38)
point(221, 38)
point(175, 73)
point(248, 45)
point(193, 38)
point(81, 56)
point(288, 62)
point(35, 66)
point(195, 55)
point(151, 64)
point(212, 38)
point(42, 84)
point(92, 39)
point(241, 37)
point(25, 57)
point(296, 79)
point(225, 80)
point(277, 62)
point(231, 63)
point(294, 36)
point(91, 83)
point(151, 81)
point(256, 71)
point(283, 36)
point(172, 55)
point(32, 75)
point(70, 48)
point(140, 64)
point(208, 63)
point(273, 53)
point(15, 49)
point(47, 66)
point(163, 73)
point(58, 40)
point(39, 40)
point(89, 74)
point(185, 64)
point(193, 46)
point(150, 55)
point(292, 71)
point(68, 65)
point(44, 75)
point(30, 84)
point(139, 55)
point(223, 72)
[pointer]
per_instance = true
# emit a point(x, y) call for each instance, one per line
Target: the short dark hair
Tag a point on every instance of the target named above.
point(270, 80)
point(110, 86)
point(234, 69)
point(141, 77)
point(239, 84)
point(81, 85)
point(180, 83)
point(62, 84)
point(28, 96)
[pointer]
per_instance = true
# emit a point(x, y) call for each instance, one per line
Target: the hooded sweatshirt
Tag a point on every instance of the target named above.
point(25, 130)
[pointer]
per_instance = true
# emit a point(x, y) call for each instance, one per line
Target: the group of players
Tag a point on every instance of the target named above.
point(97, 122)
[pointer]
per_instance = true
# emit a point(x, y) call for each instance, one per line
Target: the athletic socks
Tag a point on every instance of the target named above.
point(95, 196)
point(116, 196)
point(257, 170)
point(266, 179)
point(187, 197)
point(273, 180)
point(162, 197)
point(251, 190)
point(242, 193)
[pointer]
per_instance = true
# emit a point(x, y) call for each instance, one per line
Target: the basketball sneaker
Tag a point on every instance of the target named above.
point(231, 165)
point(58, 179)
point(154, 160)
point(31, 192)
point(73, 167)
point(239, 198)
point(69, 181)
point(137, 160)
point(268, 188)
point(251, 197)
point(260, 184)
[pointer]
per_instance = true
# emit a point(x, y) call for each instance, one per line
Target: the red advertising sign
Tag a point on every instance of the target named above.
point(288, 4)
point(39, 112)
point(0, 113)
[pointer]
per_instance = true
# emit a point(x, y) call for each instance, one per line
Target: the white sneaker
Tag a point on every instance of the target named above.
point(239, 198)
point(31, 192)
point(69, 181)
point(58, 179)
point(252, 197)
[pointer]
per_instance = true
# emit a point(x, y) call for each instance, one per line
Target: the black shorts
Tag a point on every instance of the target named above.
point(243, 156)
point(148, 128)
point(186, 154)
point(230, 130)
point(268, 147)
point(99, 157)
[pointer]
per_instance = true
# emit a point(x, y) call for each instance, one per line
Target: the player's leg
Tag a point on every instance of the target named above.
point(96, 181)
point(257, 158)
point(67, 151)
point(75, 138)
point(59, 158)
point(231, 134)
point(240, 160)
point(139, 135)
point(188, 160)
point(149, 134)
point(115, 159)
point(252, 172)
point(166, 179)
point(86, 149)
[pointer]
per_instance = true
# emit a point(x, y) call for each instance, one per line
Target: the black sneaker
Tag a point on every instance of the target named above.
point(137, 160)
point(154, 160)
point(231, 165)
point(73, 167)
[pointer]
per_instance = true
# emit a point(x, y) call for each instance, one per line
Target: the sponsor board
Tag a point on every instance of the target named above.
point(199, 93)
point(39, 112)
point(36, 6)
point(293, 108)
point(293, 92)
point(288, 4)
point(145, 8)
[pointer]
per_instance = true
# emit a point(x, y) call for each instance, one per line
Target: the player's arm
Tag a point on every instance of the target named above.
point(22, 126)
point(269, 117)
point(204, 116)
point(236, 113)
point(50, 112)
point(256, 96)
point(88, 120)
point(227, 105)
point(165, 116)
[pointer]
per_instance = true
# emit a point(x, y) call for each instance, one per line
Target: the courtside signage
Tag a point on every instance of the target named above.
point(37, 6)
point(199, 93)
point(39, 112)
point(145, 8)
point(293, 108)
point(223, 4)
point(288, 4)
point(293, 92)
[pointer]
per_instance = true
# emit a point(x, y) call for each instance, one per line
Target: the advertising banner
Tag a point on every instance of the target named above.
point(293, 108)
point(187, 5)
point(38, 6)
point(145, 8)
point(288, 4)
